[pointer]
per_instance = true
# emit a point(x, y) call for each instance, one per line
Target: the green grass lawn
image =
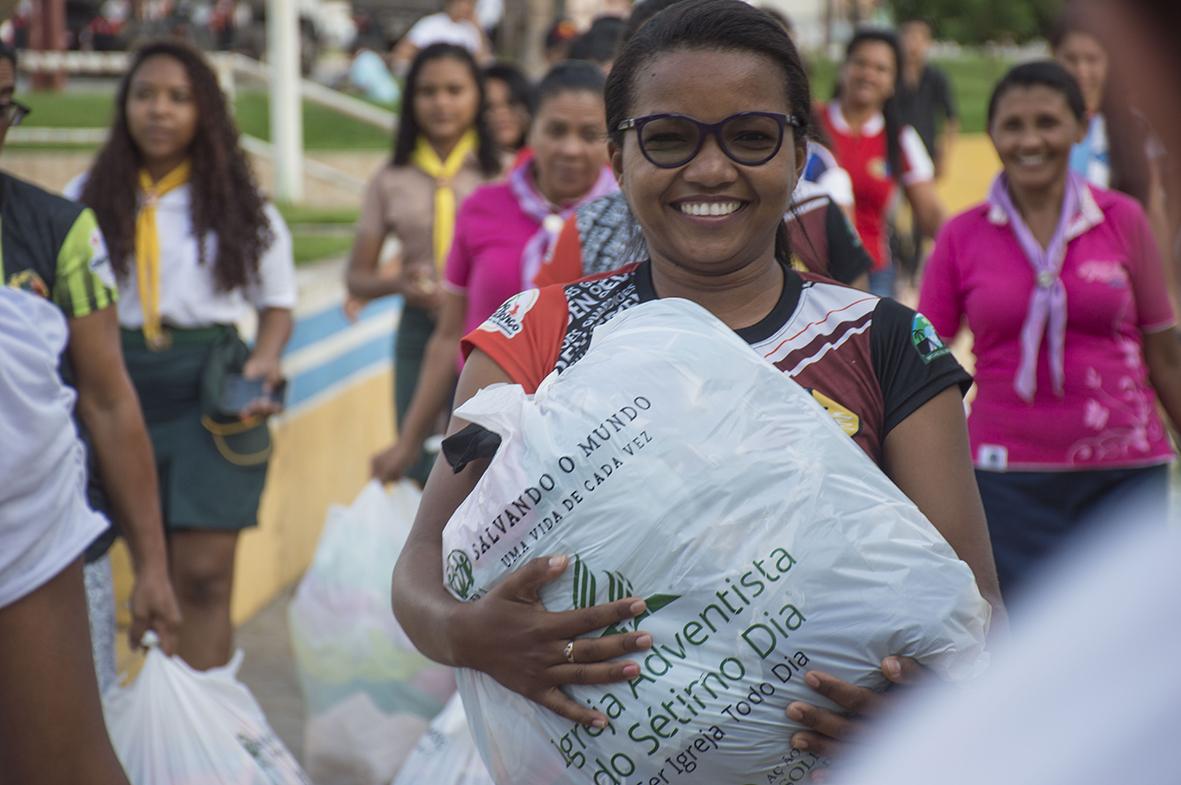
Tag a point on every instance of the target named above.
point(314, 247)
point(323, 128)
point(295, 214)
point(972, 79)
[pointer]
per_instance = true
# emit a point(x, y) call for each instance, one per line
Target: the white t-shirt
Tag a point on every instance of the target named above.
point(442, 29)
point(189, 296)
point(45, 521)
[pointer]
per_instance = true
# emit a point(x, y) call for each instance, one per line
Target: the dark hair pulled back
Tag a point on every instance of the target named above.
point(711, 25)
point(570, 76)
point(1040, 73)
point(409, 129)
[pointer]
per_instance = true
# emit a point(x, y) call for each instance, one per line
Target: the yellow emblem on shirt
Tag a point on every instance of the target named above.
point(850, 423)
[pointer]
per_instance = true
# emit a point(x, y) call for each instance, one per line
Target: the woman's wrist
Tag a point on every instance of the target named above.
point(455, 624)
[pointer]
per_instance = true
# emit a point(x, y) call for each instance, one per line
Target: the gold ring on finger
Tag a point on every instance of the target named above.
point(568, 652)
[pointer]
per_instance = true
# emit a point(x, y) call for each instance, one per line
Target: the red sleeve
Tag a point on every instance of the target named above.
point(941, 298)
point(524, 335)
point(564, 263)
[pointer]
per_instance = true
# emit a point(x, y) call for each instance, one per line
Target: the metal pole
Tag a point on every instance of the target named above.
point(286, 111)
point(48, 34)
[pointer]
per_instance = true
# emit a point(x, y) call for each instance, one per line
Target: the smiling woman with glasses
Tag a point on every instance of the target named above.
point(708, 177)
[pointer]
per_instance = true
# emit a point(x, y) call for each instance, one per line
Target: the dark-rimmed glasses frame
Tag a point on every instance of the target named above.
point(710, 129)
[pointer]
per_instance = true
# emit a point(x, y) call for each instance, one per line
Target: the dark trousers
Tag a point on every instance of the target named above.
point(1034, 516)
point(414, 330)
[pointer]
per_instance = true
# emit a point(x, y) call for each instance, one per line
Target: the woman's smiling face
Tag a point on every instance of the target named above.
point(1033, 131)
point(711, 215)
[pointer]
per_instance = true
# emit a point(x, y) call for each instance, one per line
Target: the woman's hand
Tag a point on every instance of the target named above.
point(829, 730)
point(419, 287)
point(154, 607)
point(352, 307)
point(392, 463)
point(509, 635)
point(270, 371)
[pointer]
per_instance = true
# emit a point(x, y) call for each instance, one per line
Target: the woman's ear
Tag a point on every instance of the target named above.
point(615, 156)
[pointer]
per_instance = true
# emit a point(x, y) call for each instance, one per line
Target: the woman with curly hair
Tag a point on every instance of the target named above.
point(195, 247)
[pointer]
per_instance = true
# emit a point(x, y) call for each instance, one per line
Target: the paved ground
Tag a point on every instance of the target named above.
point(269, 670)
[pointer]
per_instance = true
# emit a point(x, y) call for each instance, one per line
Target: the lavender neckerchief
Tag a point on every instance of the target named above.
point(550, 218)
point(1047, 305)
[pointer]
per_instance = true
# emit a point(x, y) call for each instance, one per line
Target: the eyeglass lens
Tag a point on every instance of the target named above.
point(12, 113)
point(748, 139)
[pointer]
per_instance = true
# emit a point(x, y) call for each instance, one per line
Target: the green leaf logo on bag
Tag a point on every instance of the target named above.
point(586, 594)
point(459, 573)
point(926, 341)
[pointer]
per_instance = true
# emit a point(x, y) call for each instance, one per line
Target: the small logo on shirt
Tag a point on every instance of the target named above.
point(29, 281)
point(508, 318)
point(926, 341)
point(877, 167)
point(100, 260)
point(992, 456)
point(846, 418)
point(1102, 271)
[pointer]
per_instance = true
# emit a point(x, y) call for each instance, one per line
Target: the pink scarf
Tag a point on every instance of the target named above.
point(1046, 317)
point(550, 218)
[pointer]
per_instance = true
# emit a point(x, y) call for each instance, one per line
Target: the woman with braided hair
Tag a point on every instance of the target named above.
point(195, 247)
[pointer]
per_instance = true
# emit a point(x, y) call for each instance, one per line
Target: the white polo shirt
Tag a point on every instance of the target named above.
point(189, 296)
point(45, 521)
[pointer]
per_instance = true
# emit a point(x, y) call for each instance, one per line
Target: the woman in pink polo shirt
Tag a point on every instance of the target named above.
point(1061, 285)
point(502, 234)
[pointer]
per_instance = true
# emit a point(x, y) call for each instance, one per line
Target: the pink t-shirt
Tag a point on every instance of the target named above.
point(491, 231)
point(1107, 415)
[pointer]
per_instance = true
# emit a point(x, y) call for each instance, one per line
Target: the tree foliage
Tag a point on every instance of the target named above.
point(982, 21)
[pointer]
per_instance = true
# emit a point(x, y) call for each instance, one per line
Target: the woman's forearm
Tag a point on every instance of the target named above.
point(1162, 352)
point(369, 284)
point(120, 442)
point(421, 602)
point(274, 331)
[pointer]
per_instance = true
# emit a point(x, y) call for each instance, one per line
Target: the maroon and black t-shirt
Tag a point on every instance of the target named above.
point(869, 361)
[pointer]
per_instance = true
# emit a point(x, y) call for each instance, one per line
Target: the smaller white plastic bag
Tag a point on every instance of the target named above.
point(446, 753)
point(369, 694)
point(177, 726)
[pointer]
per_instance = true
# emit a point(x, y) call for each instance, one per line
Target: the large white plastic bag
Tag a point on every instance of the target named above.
point(177, 726)
point(369, 693)
point(674, 463)
point(446, 753)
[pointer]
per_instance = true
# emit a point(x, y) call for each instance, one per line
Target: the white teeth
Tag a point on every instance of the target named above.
point(708, 208)
point(1031, 160)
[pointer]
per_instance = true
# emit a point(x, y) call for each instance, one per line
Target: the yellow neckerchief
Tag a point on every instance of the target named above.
point(426, 159)
point(147, 247)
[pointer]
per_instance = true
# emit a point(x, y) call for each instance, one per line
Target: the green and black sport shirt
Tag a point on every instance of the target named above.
point(52, 247)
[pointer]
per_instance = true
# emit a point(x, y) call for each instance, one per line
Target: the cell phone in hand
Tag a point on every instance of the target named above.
point(238, 392)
